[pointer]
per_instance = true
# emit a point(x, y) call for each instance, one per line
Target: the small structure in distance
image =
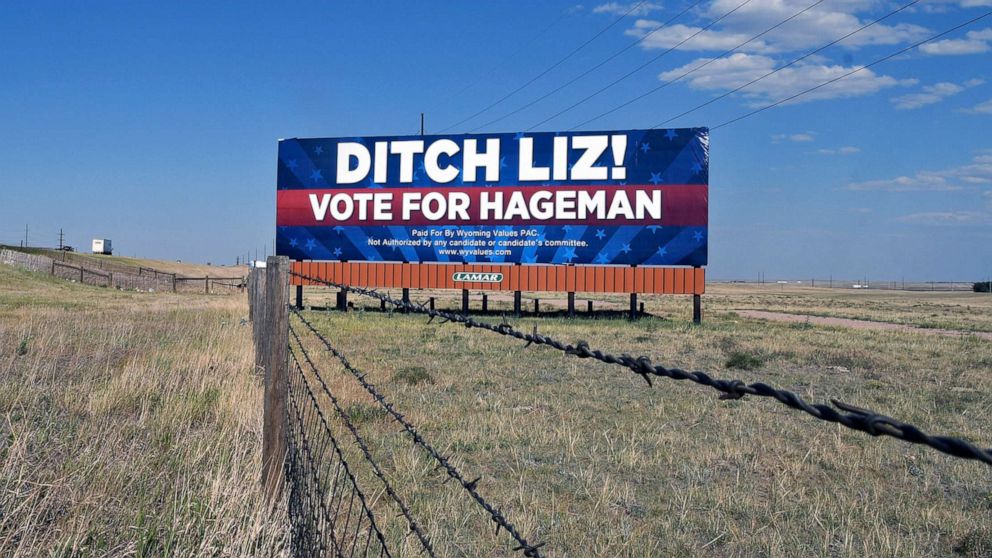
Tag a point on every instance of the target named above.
point(102, 246)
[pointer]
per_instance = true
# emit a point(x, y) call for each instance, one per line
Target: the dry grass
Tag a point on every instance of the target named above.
point(587, 458)
point(130, 424)
point(97, 261)
point(130, 427)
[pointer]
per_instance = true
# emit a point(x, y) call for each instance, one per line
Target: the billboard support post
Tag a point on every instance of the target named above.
point(697, 308)
point(517, 295)
point(432, 303)
point(485, 303)
point(465, 301)
point(537, 306)
point(299, 297)
point(571, 305)
point(589, 307)
point(633, 306)
point(406, 297)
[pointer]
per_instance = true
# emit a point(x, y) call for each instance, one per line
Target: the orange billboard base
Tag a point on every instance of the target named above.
point(505, 277)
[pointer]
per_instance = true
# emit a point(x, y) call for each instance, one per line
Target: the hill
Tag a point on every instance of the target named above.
point(132, 265)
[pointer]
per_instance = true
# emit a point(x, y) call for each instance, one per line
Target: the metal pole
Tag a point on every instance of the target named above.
point(299, 297)
point(517, 296)
point(571, 305)
point(464, 301)
point(697, 309)
point(485, 303)
point(633, 306)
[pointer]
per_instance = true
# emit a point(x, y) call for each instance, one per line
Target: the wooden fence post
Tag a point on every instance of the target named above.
point(274, 344)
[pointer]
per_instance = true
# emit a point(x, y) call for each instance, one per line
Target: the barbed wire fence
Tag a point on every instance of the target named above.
point(311, 497)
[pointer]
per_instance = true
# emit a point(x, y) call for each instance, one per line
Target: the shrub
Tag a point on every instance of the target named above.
point(744, 361)
point(414, 375)
point(982, 287)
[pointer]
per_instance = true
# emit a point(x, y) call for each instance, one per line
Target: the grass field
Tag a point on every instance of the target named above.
point(129, 424)
point(183, 269)
point(587, 458)
point(131, 427)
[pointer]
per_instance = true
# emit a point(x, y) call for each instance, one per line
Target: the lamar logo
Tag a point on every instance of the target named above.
point(474, 277)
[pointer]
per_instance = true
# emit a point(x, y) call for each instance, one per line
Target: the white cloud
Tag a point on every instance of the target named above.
point(952, 47)
point(846, 150)
point(798, 138)
point(620, 8)
point(979, 171)
point(739, 69)
point(945, 218)
point(815, 27)
point(931, 94)
point(922, 181)
point(937, 5)
point(982, 108)
point(975, 42)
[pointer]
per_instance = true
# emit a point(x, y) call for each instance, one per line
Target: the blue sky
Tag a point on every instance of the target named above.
point(155, 124)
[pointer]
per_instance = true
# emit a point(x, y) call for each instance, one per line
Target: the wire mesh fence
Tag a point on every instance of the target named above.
point(329, 513)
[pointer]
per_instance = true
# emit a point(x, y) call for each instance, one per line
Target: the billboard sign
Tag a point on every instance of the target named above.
point(635, 197)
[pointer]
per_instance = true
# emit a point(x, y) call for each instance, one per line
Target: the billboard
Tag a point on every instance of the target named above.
point(634, 197)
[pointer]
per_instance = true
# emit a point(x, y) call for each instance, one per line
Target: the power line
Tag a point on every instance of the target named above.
point(512, 56)
point(791, 63)
point(545, 72)
point(854, 71)
point(642, 66)
point(590, 70)
point(701, 66)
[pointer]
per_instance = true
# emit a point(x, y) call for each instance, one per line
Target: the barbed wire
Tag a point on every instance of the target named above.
point(529, 550)
point(305, 543)
point(854, 418)
point(376, 470)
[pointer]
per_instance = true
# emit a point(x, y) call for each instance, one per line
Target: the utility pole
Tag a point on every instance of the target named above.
point(61, 239)
point(25, 235)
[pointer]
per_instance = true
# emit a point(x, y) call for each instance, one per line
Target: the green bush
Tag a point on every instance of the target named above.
point(414, 375)
point(744, 361)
